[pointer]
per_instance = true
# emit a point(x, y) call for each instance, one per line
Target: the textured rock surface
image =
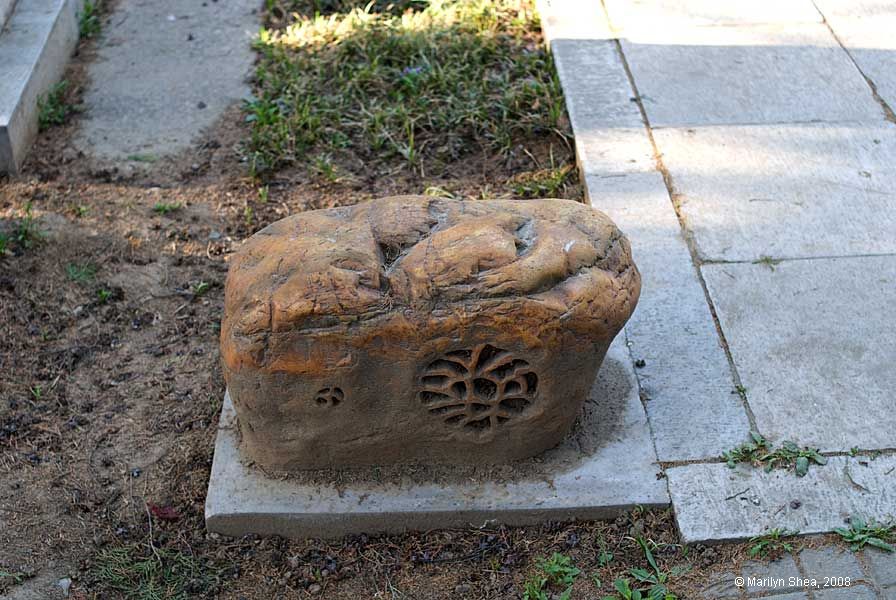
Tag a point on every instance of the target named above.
point(413, 329)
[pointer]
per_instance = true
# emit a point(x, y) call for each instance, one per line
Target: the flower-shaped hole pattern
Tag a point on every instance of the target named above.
point(329, 396)
point(478, 389)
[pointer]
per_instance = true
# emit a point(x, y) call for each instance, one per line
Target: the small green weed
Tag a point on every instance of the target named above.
point(545, 183)
point(768, 261)
point(200, 288)
point(758, 452)
point(37, 391)
point(89, 20)
point(144, 158)
point(264, 194)
point(81, 273)
point(52, 108)
point(103, 295)
point(651, 584)
point(164, 208)
point(140, 572)
point(25, 234)
point(79, 210)
point(554, 573)
point(772, 543)
point(323, 167)
point(861, 533)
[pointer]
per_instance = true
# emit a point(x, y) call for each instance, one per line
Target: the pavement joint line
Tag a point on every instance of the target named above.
point(769, 123)
point(713, 460)
point(688, 237)
point(631, 357)
point(889, 115)
point(777, 259)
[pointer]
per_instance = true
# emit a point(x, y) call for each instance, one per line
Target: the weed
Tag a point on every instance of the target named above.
point(861, 533)
point(144, 158)
point(263, 194)
point(323, 167)
point(89, 20)
point(771, 543)
point(649, 584)
point(556, 572)
point(81, 273)
point(52, 108)
point(451, 78)
point(37, 391)
point(4, 244)
point(103, 295)
point(140, 572)
point(544, 183)
point(758, 452)
point(79, 210)
point(768, 261)
point(200, 288)
point(163, 208)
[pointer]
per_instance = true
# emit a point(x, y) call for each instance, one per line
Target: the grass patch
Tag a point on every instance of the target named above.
point(81, 273)
point(861, 533)
point(544, 183)
point(758, 452)
point(140, 572)
point(773, 543)
point(24, 235)
point(649, 583)
point(430, 85)
point(554, 573)
point(164, 208)
point(52, 109)
point(144, 158)
point(89, 23)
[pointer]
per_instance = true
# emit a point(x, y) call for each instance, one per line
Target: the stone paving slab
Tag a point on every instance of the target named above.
point(686, 378)
point(813, 342)
point(773, 576)
point(881, 566)
point(617, 476)
point(572, 20)
point(713, 502)
point(872, 44)
point(741, 75)
point(165, 70)
point(853, 592)
point(647, 15)
point(610, 136)
point(791, 191)
point(829, 561)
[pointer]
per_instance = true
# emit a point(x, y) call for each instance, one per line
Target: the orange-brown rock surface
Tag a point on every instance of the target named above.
point(415, 329)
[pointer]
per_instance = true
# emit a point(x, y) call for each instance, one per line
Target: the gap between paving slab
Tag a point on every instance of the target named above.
point(617, 476)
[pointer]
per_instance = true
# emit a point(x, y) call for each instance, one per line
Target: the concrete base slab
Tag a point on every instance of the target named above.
point(607, 480)
point(714, 503)
point(35, 46)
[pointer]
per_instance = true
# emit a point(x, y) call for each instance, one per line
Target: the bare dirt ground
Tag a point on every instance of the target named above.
point(110, 388)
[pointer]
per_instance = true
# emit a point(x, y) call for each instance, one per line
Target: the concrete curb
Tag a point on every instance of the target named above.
point(35, 46)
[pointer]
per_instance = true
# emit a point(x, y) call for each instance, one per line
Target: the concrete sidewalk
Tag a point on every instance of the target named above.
point(748, 151)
